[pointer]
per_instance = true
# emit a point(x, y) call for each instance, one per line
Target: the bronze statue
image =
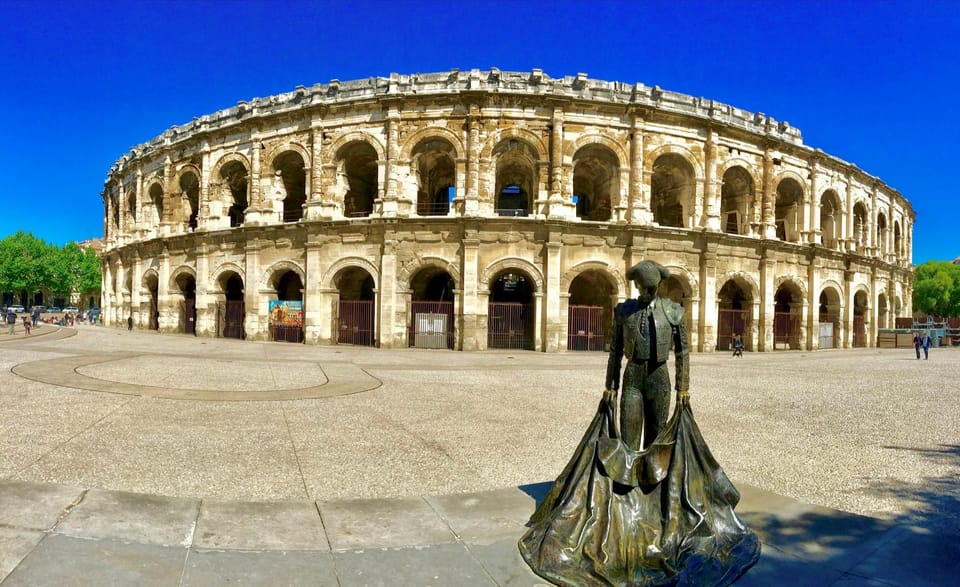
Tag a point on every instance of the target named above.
point(645, 504)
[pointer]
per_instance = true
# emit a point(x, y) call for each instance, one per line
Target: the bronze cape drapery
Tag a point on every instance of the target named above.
point(663, 516)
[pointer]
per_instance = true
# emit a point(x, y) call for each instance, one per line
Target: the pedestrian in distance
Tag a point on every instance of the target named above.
point(925, 345)
point(916, 343)
point(737, 346)
point(11, 320)
point(27, 324)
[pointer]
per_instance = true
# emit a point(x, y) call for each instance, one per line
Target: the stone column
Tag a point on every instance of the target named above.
point(561, 203)
point(812, 223)
point(164, 321)
point(141, 230)
point(206, 304)
point(106, 293)
point(813, 303)
point(473, 333)
point(711, 199)
point(313, 314)
point(707, 314)
point(251, 319)
point(390, 331)
point(392, 206)
point(136, 267)
point(768, 269)
point(203, 214)
point(471, 202)
point(551, 300)
point(768, 205)
point(848, 277)
point(639, 206)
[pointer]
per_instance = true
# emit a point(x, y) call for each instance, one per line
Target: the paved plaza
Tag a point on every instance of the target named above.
point(135, 458)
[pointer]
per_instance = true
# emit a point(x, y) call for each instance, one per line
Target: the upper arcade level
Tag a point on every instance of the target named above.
point(483, 144)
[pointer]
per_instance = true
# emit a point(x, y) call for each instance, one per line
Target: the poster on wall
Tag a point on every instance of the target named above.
point(286, 312)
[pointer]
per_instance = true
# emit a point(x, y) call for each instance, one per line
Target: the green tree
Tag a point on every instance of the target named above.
point(936, 288)
point(23, 263)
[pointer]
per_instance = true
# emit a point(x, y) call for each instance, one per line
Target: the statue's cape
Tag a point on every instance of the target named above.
point(663, 516)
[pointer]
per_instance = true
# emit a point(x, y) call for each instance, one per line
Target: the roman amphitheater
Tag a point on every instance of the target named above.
point(492, 209)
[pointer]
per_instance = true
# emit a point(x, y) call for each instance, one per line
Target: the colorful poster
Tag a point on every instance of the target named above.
point(286, 312)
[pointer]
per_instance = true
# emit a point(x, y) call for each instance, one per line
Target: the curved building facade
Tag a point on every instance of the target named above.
point(493, 209)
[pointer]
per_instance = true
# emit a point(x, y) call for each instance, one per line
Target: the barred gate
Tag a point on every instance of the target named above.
point(829, 337)
point(786, 330)
point(355, 322)
point(154, 316)
point(189, 306)
point(230, 318)
point(859, 332)
point(431, 326)
point(585, 330)
point(730, 322)
point(286, 332)
point(510, 326)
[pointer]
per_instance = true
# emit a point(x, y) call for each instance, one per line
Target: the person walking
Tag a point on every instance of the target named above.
point(11, 319)
point(916, 344)
point(26, 324)
point(925, 344)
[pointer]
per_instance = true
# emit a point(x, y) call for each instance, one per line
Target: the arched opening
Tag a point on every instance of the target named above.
point(882, 234)
point(355, 320)
point(787, 212)
point(357, 178)
point(153, 307)
point(232, 310)
point(787, 311)
point(859, 319)
point(433, 162)
point(736, 196)
point(829, 319)
point(860, 227)
point(897, 241)
point(131, 192)
point(734, 315)
point(510, 319)
point(286, 311)
point(431, 309)
point(590, 311)
point(291, 172)
point(596, 174)
point(188, 304)
point(829, 219)
point(882, 312)
point(234, 179)
point(156, 198)
point(516, 183)
point(672, 189)
point(190, 193)
point(114, 212)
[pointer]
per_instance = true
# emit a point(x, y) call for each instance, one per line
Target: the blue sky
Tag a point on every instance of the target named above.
point(875, 83)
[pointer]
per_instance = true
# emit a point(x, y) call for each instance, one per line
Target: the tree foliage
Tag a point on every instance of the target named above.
point(28, 264)
point(936, 288)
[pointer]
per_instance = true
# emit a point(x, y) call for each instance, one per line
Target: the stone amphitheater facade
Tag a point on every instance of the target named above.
point(493, 209)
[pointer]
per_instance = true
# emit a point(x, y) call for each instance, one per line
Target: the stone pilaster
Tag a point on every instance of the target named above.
point(554, 329)
point(711, 199)
point(474, 333)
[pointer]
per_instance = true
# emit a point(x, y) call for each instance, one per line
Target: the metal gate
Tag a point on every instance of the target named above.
point(859, 332)
point(355, 322)
point(730, 322)
point(432, 325)
point(786, 330)
point(189, 306)
point(154, 315)
point(585, 330)
point(510, 326)
point(829, 330)
point(230, 318)
point(286, 332)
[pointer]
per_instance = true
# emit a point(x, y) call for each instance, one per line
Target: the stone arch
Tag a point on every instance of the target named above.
point(431, 132)
point(359, 164)
point(150, 276)
point(738, 187)
point(861, 224)
point(290, 184)
point(229, 267)
point(595, 181)
point(650, 159)
point(596, 138)
point(155, 197)
point(532, 139)
point(798, 282)
point(506, 263)
point(789, 299)
point(882, 228)
point(407, 272)
point(187, 182)
point(591, 291)
point(177, 272)
point(357, 136)
point(327, 281)
point(673, 190)
point(616, 277)
point(789, 196)
point(433, 171)
point(516, 177)
point(689, 281)
point(277, 149)
point(229, 158)
point(831, 218)
point(741, 279)
point(269, 277)
point(749, 167)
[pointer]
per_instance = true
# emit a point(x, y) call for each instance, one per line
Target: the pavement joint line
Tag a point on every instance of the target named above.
point(64, 372)
point(296, 455)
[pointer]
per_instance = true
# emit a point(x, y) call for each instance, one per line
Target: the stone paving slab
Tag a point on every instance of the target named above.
point(35, 506)
point(383, 523)
point(438, 565)
point(260, 526)
point(213, 568)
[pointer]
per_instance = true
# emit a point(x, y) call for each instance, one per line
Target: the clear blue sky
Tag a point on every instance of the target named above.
point(876, 83)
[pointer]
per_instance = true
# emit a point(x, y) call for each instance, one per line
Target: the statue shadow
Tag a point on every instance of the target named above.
point(538, 491)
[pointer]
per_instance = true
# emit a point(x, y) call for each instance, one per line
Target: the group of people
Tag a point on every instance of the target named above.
point(921, 340)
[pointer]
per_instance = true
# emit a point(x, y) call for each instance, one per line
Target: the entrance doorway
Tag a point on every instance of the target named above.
point(431, 310)
point(510, 319)
point(355, 319)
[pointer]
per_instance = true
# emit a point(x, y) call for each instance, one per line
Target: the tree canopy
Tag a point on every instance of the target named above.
point(936, 288)
point(28, 264)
